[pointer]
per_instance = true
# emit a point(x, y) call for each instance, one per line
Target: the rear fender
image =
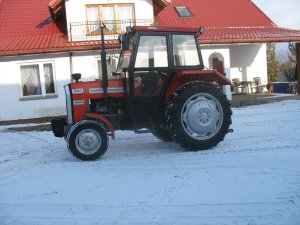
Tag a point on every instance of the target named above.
point(104, 120)
point(184, 76)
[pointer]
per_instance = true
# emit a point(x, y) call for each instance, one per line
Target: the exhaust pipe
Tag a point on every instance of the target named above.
point(103, 62)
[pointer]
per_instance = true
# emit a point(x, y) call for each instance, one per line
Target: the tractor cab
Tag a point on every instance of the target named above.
point(149, 60)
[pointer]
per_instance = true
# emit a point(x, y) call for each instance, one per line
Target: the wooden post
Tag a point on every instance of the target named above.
point(298, 65)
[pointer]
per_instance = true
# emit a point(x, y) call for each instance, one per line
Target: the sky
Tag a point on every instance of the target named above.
point(283, 12)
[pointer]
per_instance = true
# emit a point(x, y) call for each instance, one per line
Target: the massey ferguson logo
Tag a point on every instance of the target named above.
point(95, 90)
point(109, 90)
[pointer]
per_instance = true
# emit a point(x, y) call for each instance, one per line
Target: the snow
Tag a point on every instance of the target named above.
point(251, 178)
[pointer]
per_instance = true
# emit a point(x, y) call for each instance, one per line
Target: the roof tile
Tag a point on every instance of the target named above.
point(32, 30)
point(215, 35)
point(217, 13)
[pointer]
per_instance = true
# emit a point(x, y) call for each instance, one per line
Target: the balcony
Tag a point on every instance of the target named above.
point(90, 30)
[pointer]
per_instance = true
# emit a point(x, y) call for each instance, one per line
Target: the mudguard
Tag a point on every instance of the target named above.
point(185, 76)
point(104, 120)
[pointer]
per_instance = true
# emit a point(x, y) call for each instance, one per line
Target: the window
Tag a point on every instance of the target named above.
point(183, 11)
point(152, 52)
point(185, 50)
point(111, 14)
point(37, 79)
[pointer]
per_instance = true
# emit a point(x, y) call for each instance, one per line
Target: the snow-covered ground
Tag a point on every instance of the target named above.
point(251, 178)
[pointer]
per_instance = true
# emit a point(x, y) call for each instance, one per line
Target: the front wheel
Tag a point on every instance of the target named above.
point(87, 140)
point(200, 116)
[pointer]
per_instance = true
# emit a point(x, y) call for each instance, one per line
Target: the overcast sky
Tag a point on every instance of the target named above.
point(284, 13)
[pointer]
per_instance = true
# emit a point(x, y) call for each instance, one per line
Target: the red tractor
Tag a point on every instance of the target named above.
point(160, 85)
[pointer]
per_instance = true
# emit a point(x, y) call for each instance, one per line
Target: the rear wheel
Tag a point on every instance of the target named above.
point(161, 134)
point(200, 116)
point(87, 140)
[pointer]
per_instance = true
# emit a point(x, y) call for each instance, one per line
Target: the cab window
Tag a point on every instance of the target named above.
point(185, 50)
point(152, 52)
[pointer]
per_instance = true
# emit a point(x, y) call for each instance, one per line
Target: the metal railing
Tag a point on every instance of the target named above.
point(90, 30)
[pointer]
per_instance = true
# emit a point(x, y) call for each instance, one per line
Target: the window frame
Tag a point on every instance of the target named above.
point(137, 48)
point(191, 15)
point(182, 55)
point(41, 75)
point(101, 18)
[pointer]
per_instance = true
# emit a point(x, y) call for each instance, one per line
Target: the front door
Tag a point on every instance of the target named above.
point(149, 72)
point(218, 65)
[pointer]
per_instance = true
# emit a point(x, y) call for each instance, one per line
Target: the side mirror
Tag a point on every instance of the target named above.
point(76, 77)
point(124, 40)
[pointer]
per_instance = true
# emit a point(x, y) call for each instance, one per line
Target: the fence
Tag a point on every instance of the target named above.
point(90, 30)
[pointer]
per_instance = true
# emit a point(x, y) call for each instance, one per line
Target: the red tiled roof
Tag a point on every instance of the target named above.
point(227, 21)
point(162, 2)
point(230, 35)
point(56, 7)
point(47, 43)
point(28, 27)
point(30, 17)
point(32, 30)
point(159, 5)
point(216, 13)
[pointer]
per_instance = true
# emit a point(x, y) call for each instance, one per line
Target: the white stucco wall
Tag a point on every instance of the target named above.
point(86, 64)
point(248, 61)
point(240, 61)
point(208, 51)
point(13, 106)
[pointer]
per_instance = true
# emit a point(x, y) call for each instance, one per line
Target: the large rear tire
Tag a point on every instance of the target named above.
point(161, 134)
point(199, 116)
point(88, 140)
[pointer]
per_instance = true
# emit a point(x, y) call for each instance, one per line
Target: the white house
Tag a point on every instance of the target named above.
point(43, 42)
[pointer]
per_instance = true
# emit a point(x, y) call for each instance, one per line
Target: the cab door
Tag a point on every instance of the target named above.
point(150, 70)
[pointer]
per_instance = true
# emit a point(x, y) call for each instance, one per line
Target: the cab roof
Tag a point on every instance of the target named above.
point(166, 29)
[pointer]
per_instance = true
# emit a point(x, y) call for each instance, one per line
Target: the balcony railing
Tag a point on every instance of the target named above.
point(90, 30)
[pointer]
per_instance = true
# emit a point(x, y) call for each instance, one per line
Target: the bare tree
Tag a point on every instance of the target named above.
point(292, 52)
point(287, 62)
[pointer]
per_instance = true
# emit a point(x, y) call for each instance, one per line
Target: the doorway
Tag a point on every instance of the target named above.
point(216, 62)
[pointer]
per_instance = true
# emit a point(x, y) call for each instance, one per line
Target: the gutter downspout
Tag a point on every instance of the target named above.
point(71, 64)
